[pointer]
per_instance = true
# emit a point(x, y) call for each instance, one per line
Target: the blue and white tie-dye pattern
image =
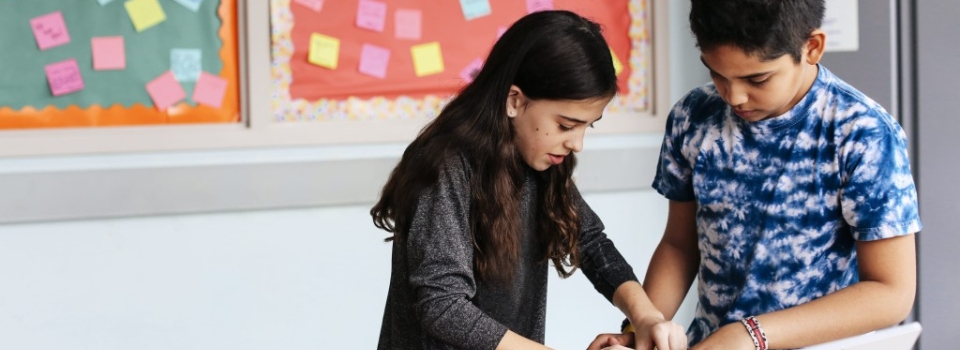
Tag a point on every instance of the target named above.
point(782, 201)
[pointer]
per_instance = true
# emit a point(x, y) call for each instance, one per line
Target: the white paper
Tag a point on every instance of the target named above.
point(842, 25)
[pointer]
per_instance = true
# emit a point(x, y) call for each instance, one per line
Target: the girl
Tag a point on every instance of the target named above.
point(483, 198)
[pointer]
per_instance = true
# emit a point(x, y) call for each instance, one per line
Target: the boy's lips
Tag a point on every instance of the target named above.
point(744, 113)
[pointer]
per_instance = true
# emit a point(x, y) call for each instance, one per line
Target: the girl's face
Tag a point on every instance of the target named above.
point(548, 130)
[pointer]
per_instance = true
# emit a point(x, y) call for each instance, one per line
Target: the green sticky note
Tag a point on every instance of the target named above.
point(145, 13)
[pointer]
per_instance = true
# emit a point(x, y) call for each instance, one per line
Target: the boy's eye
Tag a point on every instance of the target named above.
point(758, 82)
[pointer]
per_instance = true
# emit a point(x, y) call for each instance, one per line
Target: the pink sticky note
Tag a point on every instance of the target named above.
point(108, 53)
point(64, 77)
point(374, 60)
point(315, 5)
point(471, 71)
point(408, 24)
point(50, 30)
point(165, 91)
point(210, 90)
point(372, 15)
point(539, 5)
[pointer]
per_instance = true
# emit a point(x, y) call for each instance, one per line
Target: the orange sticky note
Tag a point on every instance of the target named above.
point(165, 91)
point(108, 53)
point(617, 66)
point(427, 59)
point(210, 90)
point(145, 13)
point(324, 50)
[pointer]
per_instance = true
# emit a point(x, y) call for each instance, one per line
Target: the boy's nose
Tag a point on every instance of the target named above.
point(736, 96)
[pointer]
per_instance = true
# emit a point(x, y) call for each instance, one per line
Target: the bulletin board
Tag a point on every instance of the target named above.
point(363, 60)
point(94, 63)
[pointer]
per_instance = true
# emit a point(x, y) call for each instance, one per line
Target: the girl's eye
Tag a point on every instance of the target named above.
point(565, 128)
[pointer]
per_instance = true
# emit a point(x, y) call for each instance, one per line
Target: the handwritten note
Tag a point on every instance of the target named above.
point(372, 15)
point(427, 59)
point(617, 65)
point(193, 5)
point(324, 50)
point(470, 72)
point(186, 64)
point(315, 5)
point(210, 90)
point(539, 5)
point(64, 77)
point(408, 24)
point(374, 60)
point(108, 53)
point(165, 91)
point(475, 8)
point(145, 13)
point(50, 30)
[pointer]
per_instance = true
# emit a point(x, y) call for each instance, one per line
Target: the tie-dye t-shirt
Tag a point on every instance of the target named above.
point(782, 201)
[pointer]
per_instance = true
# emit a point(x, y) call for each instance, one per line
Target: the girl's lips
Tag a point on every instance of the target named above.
point(743, 114)
point(555, 159)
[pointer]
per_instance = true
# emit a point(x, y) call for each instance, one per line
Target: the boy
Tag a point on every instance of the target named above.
point(791, 196)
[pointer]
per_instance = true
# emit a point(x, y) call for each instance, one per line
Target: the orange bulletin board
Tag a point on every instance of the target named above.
point(148, 56)
point(339, 88)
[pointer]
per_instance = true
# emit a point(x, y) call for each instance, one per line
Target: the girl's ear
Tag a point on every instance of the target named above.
point(515, 101)
point(814, 47)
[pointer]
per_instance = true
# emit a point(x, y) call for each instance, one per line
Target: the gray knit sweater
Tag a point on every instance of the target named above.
point(435, 302)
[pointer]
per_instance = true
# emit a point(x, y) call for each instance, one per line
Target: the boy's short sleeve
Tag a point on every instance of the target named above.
point(674, 178)
point(878, 198)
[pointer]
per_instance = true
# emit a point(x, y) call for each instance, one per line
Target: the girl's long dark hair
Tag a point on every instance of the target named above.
point(549, 55)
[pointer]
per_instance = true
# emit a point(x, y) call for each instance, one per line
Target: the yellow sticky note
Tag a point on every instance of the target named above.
point(324, 50)
point(427, 59)
point(145, 13)
point(617, 66)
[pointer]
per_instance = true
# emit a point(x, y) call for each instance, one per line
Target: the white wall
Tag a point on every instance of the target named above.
point(286, 279)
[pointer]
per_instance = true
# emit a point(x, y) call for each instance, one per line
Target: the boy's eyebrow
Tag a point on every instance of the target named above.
point(745, 77)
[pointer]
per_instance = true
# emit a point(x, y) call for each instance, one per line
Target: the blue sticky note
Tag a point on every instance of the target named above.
point(193, 5)
point(104, 2)
point(475, 8)
point(186, 64)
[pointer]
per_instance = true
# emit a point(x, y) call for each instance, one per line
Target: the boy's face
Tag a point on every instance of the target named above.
point(758, 89)
point(547, 130)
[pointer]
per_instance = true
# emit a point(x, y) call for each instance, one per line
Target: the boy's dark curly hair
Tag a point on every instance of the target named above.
point(768, 28)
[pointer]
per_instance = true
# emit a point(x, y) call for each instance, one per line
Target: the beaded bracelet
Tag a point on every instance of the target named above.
point(756, 332)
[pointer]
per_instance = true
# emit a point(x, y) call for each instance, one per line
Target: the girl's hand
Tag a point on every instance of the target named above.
point(660, 334)
point(730, 337)
point(611, 341)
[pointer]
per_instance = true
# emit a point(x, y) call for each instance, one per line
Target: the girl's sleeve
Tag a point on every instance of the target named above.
point(440, 261)
point(601, 262)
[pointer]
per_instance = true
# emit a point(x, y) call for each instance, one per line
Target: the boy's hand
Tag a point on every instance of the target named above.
point(730, 337)
point(660, 334)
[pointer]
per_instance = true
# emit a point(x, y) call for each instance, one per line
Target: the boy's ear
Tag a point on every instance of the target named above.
point(515, 101)
point(814, 47)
